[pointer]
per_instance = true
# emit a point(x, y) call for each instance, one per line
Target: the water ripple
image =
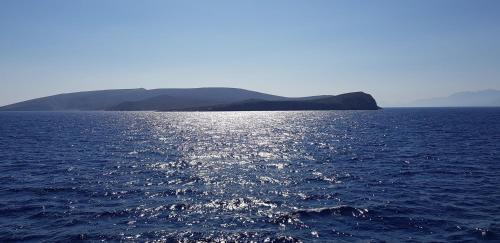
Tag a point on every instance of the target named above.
point(405, 175)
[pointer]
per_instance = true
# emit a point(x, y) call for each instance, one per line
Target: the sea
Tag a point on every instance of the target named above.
point(391, 175)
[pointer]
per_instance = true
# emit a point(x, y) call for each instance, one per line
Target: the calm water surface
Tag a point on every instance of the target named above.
point(392, 175)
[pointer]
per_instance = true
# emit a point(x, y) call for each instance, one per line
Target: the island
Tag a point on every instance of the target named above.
point(192, 99)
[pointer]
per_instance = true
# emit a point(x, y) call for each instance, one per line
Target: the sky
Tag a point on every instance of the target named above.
point(398, 51)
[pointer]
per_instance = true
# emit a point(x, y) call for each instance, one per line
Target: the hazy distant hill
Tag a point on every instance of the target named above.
point(488, 97)
point(190, 99)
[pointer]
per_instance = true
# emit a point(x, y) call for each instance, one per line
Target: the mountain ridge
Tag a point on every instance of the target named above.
point(484, 98)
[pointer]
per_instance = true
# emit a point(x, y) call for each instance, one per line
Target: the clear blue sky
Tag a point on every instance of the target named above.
point(396, 50)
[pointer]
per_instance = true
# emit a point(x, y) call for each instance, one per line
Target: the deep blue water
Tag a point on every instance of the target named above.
point(394, 175)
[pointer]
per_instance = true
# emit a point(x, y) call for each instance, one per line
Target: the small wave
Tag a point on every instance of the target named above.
point(18, 209)
point(342, 210)
point(208, 236)
point(483, 234)
point(286, 219)
point(295, 217)
point(237, 204)
point(490, 234)
point(316, 197)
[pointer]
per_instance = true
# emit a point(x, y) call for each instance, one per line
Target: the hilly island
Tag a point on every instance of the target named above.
point(191, 99)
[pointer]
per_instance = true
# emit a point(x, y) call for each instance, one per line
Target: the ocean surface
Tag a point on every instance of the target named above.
point(393, 175)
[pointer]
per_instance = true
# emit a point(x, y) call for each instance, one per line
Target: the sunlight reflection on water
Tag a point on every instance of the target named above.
point(241, 176)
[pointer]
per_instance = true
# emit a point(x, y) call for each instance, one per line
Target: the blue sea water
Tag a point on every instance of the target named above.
point(394, 175)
